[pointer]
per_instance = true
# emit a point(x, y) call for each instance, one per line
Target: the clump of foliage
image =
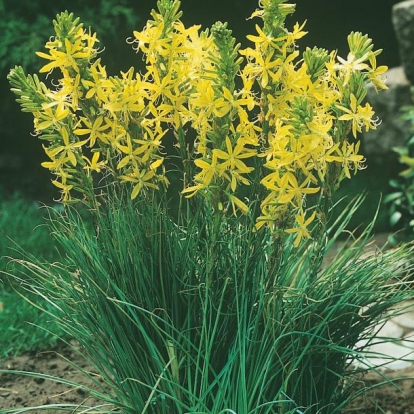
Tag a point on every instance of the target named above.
point(221, 302)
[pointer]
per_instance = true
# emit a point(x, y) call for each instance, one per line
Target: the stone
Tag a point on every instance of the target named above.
point(408, 341)
point(406, 320)
point(403, 21)
point(393, 131)
point(404, 316)
point(390, 330)
point(385, 355)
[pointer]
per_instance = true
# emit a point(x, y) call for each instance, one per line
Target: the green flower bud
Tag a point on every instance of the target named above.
point(315, 60)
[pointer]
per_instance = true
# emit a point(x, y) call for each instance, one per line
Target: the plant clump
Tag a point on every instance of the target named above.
point(213, 297)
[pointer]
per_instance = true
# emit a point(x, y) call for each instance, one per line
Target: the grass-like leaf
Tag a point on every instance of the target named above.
point(180, 319)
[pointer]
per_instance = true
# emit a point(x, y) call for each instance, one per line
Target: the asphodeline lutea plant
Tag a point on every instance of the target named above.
point(284, 123)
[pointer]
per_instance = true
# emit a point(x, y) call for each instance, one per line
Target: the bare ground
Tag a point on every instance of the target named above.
point(25, 391)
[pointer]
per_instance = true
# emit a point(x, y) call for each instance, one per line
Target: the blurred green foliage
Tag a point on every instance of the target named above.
point(23, 231)
point(26, 25)
point(400, 200)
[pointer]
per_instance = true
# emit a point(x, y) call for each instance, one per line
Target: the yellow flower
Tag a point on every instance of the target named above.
point(161, 86)
point(70, 89)
point(298, 33)
point(272, 213)
point(188, 88)
point(63, 185)
point(55, 163)
point(148, 145)
point(366, 117)
point(97, 129)
point(94, 164)
point(152, 35)
point(262, 67)
point(301, 228)
point(51, 117)
point(292, 192)
point(347, 155)
point(128, 150)
point(238, 103)
point(375, 73)
point(232, 158)
point(351, 115)
point(141, 178)
point(100, 86)
point(236, 202)
point(320, 125)
point(206, 100)
point(209, 170)
point(67, 58)
point(67, 151)
point(125, 103)
point(360, 116)
point(65, 190)
point(263, 39)
point(194, 189)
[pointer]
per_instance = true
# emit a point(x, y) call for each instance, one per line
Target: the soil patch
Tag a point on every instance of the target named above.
point(391, 398)
point(18, 391)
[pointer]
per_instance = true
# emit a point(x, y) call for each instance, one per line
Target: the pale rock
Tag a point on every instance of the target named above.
point(405, 315)
point(405, 320)
point(391, 330)
point(408, 341)
point(386, 355)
